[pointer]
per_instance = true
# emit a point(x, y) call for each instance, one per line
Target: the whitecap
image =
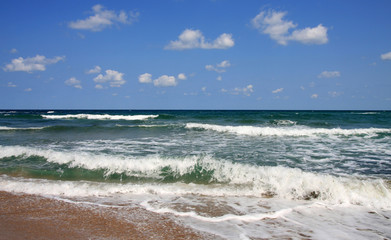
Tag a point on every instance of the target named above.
point(100, 117)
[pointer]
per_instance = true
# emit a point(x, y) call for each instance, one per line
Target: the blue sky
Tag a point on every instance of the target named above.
point(205, 54)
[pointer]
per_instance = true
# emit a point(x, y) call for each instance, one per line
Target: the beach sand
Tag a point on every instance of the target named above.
point(34, 217)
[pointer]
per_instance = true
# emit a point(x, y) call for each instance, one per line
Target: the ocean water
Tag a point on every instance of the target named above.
point(235, 174)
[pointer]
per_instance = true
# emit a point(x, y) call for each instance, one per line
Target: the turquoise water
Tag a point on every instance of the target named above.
point(256, 164)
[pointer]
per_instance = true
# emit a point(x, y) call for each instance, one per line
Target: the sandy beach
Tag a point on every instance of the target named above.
point(34, 217)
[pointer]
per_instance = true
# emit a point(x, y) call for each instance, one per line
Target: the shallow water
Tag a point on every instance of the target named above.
point(236, 174)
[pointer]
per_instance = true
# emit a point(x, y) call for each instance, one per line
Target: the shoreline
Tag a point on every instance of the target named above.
point(25, 216)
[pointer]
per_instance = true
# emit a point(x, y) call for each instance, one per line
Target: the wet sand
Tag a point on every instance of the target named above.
point(35, 217)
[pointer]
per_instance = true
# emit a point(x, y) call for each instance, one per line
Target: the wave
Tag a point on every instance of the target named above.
point(205, 175)
point(285, 131)
point(3, 128)
point(284, 122)
point(146, 126)
point(100, 117)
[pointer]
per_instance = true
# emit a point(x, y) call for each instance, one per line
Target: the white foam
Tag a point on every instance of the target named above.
point(285, 131)
point(233, 179)
point(100, 117)
point(224, 218)
point(285, 122)
point(3, 128)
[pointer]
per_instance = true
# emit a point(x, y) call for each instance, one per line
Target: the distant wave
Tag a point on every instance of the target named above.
point(367, 113)
point(3, 128)
point(145, 126)
point(285, 131)
point(232, 179)
point(100, 117)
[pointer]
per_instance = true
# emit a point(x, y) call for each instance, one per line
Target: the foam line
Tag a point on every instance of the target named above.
point(100, 117)
point(285, 131)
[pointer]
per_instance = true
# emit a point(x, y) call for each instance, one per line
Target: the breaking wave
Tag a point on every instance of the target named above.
point(201, 175)
point(100, 117)
point(285, 131)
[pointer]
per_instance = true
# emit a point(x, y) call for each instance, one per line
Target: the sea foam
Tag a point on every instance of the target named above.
point(285, 131)
point(226, 178)
point(3, 128)
point(100, 117)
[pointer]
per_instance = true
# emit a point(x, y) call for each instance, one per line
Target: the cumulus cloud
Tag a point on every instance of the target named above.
point(98, 86)
point(96, 69)
point(278, 90)
point(145, 78)
point(190, 39)
point(162, 81)
point(329, 74)
point(386, 56)
point(103, 18)
point(273, 24)
point(30, 64)
point(182, 76)
point(236, 91)
point(114, 78)
point(165, 81)
point(220, 67)
point(314, 96)
point(73, 82)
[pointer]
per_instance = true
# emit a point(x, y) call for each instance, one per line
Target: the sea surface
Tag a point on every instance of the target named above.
point(235, 174)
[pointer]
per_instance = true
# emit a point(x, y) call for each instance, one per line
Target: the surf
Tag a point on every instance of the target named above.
point(295, 131)
point(205, 175)
point(100, 117)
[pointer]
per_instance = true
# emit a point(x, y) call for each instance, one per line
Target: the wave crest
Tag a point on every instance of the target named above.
point(100, 117)
point(285, 131)
point(208, 176)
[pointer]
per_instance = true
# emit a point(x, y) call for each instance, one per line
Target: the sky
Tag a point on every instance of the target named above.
point(195, 54)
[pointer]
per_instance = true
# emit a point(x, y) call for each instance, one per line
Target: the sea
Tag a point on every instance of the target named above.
point(233, 174)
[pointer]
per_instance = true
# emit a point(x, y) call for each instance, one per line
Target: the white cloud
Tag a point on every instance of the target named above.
point(73, 82)
point(145, 78)
point(329, 74)
point(28, 90)
point(30, 64)
point(386, 56)
point(246, 90)
point(162, 81)
point(103, 18)
point(335, 93)
point(190, 39)
point(316, 35)
point(14, 50)
point(219, 78)
point(314, 96)
point(11, 84)
point(182, 76)
point(220, 67)
point(96, 69)
point(165, 81)
point(236, 91)
point(273, 24)
point(115, 78)
point(98, 86)
point(278, 90)
point(224, 64)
